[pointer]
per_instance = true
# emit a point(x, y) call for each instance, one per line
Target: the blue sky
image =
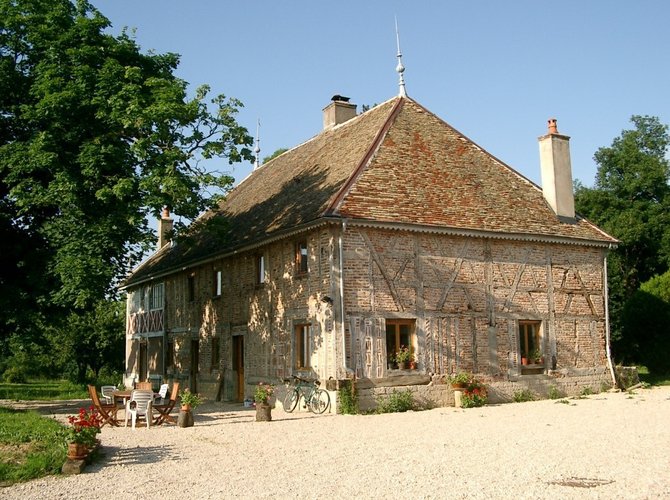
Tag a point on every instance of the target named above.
point(494, 70)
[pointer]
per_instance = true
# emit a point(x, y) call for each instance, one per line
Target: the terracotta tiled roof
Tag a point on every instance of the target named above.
point(397, 163)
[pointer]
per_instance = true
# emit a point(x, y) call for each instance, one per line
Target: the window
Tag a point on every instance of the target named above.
point(260, 269)
point(156, 297)
point(301, 346)
point(530, 341)
point(218, 284)
point(216, 353)
point(301, 257)
point(400, 333)
point(191, 288)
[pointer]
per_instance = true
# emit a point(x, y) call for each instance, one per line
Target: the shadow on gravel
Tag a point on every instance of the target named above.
point(113, 455)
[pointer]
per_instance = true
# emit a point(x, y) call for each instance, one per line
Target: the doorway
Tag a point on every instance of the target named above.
point(144, 361)
point(195, 360)
point(238, 365)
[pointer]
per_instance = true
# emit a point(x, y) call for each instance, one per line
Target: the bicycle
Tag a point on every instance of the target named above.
point(316, 399)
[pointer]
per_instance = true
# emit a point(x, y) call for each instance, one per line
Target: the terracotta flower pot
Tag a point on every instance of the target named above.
point(76, 451)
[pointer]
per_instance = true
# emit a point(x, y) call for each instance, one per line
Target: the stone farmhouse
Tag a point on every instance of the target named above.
point(388, 229)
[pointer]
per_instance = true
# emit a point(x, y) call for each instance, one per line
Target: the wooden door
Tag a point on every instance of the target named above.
point(144, 362)
point(238, 365)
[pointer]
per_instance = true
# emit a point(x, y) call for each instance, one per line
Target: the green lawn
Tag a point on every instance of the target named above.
point(31, 446)
point(43, 391)
point(652, 378)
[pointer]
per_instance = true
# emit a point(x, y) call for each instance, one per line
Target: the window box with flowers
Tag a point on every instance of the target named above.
point(262, 397)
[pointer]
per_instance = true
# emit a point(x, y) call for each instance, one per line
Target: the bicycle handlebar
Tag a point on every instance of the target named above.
point(300, 379)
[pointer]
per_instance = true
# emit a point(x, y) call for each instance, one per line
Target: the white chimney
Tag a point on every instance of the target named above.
point(338, 111)
point(557, 172)
point(165, 225)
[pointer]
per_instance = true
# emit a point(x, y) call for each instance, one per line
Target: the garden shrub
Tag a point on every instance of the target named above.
point(348, 399)
point(554, 393)
point(396, 402)
point(523, 396)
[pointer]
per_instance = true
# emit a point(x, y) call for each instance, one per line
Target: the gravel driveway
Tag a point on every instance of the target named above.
point(612, 445)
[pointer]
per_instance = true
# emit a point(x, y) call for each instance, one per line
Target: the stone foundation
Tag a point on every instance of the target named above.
point(431, 392)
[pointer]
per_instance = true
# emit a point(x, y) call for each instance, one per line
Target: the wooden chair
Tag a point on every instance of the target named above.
point(165, 409)
point(140, 405)
point(107, 411)
point(144, 386)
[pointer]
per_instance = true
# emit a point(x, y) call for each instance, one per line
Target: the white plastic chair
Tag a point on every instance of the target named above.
point(139, 405)
point(107, 396)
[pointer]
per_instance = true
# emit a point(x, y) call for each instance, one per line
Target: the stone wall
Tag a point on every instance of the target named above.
point(264, 314)
point(436, 392)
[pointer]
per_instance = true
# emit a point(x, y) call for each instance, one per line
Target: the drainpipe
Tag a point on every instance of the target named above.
point(607, 323)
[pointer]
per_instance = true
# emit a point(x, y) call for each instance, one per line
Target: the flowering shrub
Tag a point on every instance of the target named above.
point(85, 426)
point(263, 392)
point(474, 394)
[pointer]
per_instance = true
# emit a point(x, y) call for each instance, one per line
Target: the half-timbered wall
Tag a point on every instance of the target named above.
point(265, 315)
point(467, 295)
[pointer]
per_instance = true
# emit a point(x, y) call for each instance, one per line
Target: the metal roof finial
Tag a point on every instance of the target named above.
point(399, 68)
point(257, 149)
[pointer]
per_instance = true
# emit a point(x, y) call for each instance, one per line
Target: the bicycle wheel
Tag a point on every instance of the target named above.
point(291, 400)
point(320, 401)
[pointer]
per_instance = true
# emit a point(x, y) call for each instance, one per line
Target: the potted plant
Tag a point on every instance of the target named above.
point(402, 357)
point(537, 356)
point(460, 380)
point(189, 400)
point(262, 395)
point(81, 436)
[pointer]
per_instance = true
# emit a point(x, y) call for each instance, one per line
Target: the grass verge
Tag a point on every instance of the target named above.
point(31, 446)
point(652, 378)
point(40, 390)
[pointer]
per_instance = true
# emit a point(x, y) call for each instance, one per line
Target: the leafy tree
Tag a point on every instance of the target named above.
point(631, 201)
point(646, 323)
point(95, 137)
point(274, 155)
point(90, 340)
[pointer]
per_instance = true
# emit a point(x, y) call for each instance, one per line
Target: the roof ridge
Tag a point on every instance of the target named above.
point(338, 198)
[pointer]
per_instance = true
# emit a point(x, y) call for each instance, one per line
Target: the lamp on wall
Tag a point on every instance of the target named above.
point(326, 299)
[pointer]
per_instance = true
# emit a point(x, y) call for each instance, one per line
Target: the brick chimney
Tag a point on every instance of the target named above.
point(557, 172)
point(338, 111)
point(165, 224)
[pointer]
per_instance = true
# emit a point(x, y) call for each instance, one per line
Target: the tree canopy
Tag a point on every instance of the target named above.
point(631, 201)
point(96, 137)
